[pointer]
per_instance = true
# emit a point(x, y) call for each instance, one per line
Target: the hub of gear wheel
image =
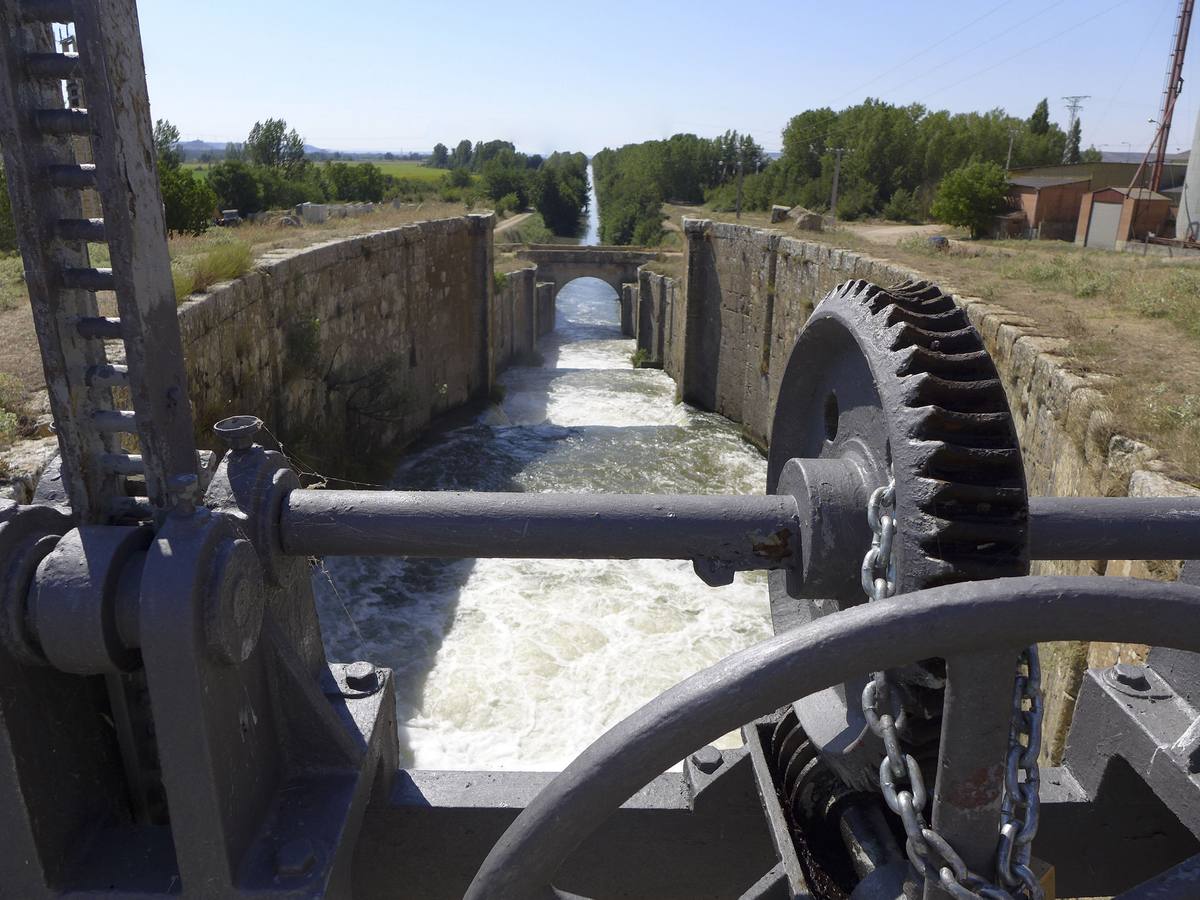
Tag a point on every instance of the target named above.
point(892, 383)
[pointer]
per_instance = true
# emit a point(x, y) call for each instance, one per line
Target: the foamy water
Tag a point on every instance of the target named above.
point(520, 664)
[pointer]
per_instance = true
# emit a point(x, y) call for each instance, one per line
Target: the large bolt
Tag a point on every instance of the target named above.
point(233, 611)
point(295, 858)
point(707, 759)
point(238, 432)
point(1132, 677)
point(361, 676)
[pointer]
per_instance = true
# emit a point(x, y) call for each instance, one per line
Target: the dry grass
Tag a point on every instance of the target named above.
point(12, 408)
point(225, 261)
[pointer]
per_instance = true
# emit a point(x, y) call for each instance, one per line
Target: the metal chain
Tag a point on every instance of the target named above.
point(930, 853)
point(1019, 809)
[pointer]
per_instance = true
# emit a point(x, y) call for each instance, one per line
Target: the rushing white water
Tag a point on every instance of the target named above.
point(520, 664)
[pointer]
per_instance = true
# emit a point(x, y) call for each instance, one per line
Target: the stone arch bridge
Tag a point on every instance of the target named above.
point(560, 264)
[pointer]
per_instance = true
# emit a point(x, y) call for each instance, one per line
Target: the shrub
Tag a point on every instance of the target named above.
point(507, 204)
point(236, 187)
point(281, 190)
point(972, 196)
point(189, 201)
point(903, 207)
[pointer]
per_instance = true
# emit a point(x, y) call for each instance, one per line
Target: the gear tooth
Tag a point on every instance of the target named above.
point(951, 320)
point(968, 366)
point(974, 465)
point(965, 429)
point(962, 340)
point(983, 395)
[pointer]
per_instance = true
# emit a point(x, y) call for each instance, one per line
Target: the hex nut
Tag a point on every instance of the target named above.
point(707, 759)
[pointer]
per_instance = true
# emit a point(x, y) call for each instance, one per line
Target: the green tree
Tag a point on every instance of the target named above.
point(461, 157)
point(440, 158)
point(189, 201)
point(504, 174)
point(166, 144)
point(1091, 155)
point(235, 152)
point(272, 145)
point(8, 229)
point(459, 177)
point(1039, 122)
point(972, 196)
point(559, 192)
point(236, 187)
point(1073, 154)
point(358, 182)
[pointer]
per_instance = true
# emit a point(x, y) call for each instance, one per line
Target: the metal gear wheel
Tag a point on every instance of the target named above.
point(892, 383)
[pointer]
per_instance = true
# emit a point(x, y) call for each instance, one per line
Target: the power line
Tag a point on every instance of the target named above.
point(984, 43)
point(1130, 65)
point(1025, 50)
point(907, 60)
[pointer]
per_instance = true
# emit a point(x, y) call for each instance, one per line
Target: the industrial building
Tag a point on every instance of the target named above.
point(1111, 217)
point(1046, 206)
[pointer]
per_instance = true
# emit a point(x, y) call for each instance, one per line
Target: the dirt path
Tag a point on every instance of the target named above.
point(512, 222)
point(892, 234)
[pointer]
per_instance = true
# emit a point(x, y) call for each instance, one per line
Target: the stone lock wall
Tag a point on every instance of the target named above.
point(729, 328)
point(348, 349)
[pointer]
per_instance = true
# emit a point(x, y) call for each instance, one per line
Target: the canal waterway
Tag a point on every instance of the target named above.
point(520, 664)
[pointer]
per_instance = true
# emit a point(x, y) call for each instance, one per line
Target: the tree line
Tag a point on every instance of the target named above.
point(272, 170)
point(893, 160)
point(633, 181)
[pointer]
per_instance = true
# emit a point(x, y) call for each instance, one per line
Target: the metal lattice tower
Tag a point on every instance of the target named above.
point(1074, 105)
point(88, 390)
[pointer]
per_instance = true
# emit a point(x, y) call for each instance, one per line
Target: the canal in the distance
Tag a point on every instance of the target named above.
point(520, 664)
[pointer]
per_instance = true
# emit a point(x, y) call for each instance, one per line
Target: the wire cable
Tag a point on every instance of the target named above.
point(1025, 50)
point(909, 58)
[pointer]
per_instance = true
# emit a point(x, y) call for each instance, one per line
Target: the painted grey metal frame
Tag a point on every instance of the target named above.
point(234, 759)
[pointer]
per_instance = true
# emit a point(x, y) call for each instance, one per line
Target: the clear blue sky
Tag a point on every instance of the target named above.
point(374, 75)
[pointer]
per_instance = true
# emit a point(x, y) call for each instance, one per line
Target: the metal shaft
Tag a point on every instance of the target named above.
point(1114, 527)
point(743, 532)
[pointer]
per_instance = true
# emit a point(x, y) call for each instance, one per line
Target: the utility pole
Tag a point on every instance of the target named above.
point(1074, 105)
point(838, 152)
point(739, 194)
point(1012, 133)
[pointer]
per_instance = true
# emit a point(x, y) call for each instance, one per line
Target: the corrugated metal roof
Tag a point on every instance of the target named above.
point(1138, 193)
point(1044, 181)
